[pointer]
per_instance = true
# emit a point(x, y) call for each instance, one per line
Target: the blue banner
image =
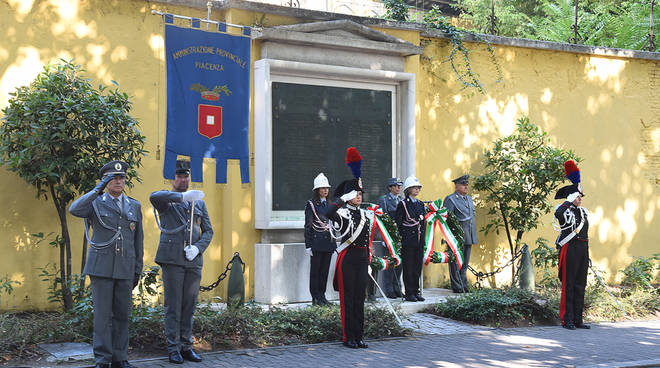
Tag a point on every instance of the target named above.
point(208, 97)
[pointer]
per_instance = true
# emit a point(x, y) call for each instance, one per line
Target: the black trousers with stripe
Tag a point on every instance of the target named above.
point(351, 274)
point(573, 265)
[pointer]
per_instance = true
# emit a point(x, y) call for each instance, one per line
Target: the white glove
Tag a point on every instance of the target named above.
point(348, 196)
point(192, 195)
point(572, 197)
point(308, 251)
point(191, 252)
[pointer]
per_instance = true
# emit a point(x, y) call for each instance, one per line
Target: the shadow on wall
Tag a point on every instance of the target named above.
point(113, 40)
point(591, 104)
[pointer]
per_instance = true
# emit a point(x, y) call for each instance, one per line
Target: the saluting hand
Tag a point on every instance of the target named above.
point(100, 187)
point(192, 195)
point(348, 196)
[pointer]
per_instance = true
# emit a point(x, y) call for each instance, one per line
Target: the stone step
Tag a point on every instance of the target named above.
point(432, 295)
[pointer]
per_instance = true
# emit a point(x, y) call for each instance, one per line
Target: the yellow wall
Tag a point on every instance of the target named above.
point(604, 108)
point(601, 107)
point(120, 41)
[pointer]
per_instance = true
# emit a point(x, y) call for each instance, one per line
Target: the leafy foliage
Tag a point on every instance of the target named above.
point(511, 19)
point(396, 10)
point(58, 131)
point(7, 285)
point(496, 307)
point(611, 23)
point(520, 172)
point(641, 271)
point(459, 55)
point(546, 259)
point(638, 303)
point(248, 326)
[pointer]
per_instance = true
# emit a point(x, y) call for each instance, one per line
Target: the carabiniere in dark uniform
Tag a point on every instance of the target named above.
point(114, 260)
point(351, 271)
point(573, 243)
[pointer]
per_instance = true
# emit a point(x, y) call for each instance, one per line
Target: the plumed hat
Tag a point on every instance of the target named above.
point(573, 174)
point(354, 162)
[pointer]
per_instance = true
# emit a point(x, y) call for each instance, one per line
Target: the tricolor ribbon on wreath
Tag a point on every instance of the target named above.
point(377, 224)
point(437, 215)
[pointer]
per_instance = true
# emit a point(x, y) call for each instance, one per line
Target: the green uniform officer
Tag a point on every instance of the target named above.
point(114, 260)
point(179, 255)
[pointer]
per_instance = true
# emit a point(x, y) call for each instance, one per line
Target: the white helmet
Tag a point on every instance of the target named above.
point(411, 181)
point(320, 181)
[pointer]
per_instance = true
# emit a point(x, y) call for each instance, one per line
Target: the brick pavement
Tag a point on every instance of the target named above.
point(605, 345)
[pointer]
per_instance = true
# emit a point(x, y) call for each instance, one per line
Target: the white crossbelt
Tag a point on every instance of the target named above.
point(354, 236)
point(572, 234)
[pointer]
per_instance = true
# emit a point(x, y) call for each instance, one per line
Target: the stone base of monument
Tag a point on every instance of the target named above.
point(281, 274)
point(68, 351)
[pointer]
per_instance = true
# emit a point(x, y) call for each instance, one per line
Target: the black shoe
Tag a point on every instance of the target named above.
point(361, 344)
point(391, 296)
point(410, 298)
point(371, 298)
point(455, 291)
point(324, 301)
point(582, 325)
point(103, 365)
point(350, 344)
point(175, 357)
point(190, 355)
point(315, 302)
point(419, 298)
point(466, 290)
point(122, 364)
point(569, 326)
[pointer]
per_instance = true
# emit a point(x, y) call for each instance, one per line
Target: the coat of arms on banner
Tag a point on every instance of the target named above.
point(209, 122)
point(208, 95)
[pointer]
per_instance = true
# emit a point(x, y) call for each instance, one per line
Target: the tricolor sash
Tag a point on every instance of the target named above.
point(437, 215)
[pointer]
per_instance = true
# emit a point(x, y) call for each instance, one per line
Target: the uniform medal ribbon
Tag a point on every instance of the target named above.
point(437, 215)
point(377, 223)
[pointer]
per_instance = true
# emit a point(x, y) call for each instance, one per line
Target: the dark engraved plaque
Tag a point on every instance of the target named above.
point(312, 128)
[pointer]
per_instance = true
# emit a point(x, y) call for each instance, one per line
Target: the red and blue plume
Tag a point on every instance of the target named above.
point(354, 161)
point(572, 171)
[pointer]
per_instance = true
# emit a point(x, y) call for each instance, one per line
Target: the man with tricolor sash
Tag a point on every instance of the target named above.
point(461, 204)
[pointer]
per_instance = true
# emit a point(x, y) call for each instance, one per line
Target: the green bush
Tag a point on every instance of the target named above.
point(637, 303)
point(498, 307)
point(546, 259)
point(641, 271)
point(249, 326)
point(252, 326)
